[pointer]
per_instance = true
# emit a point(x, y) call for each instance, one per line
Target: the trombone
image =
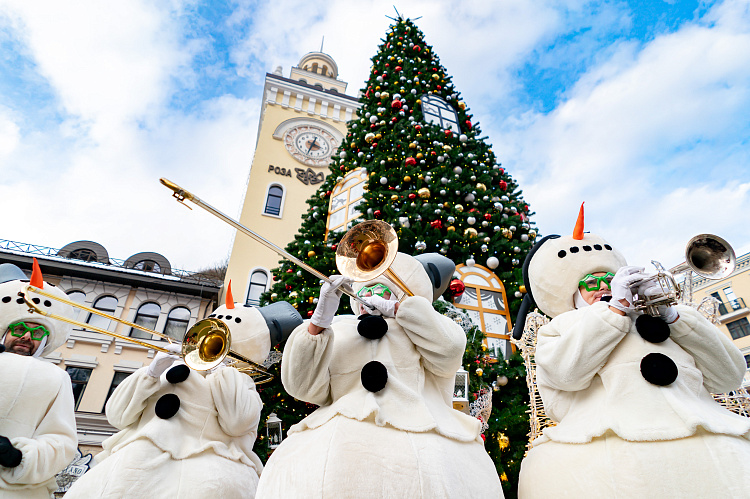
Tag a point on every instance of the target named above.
point(364, 253)
point(204, 346)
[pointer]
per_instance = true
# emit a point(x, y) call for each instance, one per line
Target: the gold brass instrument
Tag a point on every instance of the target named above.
point(204, 346)
point(707, 255)
point(364, 253)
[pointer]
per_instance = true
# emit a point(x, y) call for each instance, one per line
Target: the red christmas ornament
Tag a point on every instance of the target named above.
point(417, 48)
point(377, 213)
point(418, 127)
point(309, 313)
point(487, 216)
point(457, 287)
point(503, 185)
point(410, 161)
point(468, 123)
point(374, 145)
point(289, 271)
point(502, 171)
point(398, 68)
point(439, 87)
point(396, 104)
point(412, 196)
point(288, 287)
point(448, 133)
point(437, 224)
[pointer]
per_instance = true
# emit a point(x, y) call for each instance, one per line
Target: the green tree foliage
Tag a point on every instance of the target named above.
point(439, 184)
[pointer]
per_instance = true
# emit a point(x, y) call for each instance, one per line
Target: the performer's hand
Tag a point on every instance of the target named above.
point(10, 457)
point(622, 284)
point(162, 361)
point(381, 306)
point(668, 313)
point(328, 302)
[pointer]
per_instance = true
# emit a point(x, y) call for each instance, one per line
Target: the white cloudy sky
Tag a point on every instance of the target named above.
point(642, 109)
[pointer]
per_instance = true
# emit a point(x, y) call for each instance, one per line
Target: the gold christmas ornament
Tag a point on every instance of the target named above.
point(394, 197)
point(419, 155)
point(407, 178)
point(459, 207)
point(503, 441)
point(424, 193)
point(311, 299)
point(274, 296)
point(310, 254)
point(384, 95)
point(461, 106)
point(413, 145)
point(451, 228)
point(470, 232)
point(293, 294)
point(522, 288)
point(481, 187)
point(479, 371)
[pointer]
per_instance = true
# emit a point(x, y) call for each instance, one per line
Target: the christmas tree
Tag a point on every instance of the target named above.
point(431, 175)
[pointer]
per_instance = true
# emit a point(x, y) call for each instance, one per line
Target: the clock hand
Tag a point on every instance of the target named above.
point(311, 145)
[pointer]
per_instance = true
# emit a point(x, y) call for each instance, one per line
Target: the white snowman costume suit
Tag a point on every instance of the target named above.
point(36, 398)
point(634, 415)
point(186, 435)
point(386, 426)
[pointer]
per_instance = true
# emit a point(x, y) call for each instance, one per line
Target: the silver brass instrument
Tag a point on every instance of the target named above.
point(707, 255)
point(204, 346)
point(366, 251)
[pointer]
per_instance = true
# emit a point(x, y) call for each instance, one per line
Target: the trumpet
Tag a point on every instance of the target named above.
point(707, 255)
point(365, 252)
point(204, 346)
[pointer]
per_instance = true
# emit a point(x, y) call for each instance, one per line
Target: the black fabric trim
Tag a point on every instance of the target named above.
point(178, 374)
point(652, 329)
point(167, 406)
point(658, 369)
point(374, 376)
point(372, 327)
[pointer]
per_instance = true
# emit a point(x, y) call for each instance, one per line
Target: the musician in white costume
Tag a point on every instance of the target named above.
point(37, 422)
point(384, 384)
point(630, 393)
point(184, 434)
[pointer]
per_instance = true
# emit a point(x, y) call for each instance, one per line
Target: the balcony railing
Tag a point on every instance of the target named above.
point(731, 306)
point(36, 250)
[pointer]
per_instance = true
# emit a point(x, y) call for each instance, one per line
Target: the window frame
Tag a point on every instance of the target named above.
point(142, 335)
point(171, 319)
point(78, 397)
point(742, 326)
point(268, 196)
point(256, 270)
point(100, 321)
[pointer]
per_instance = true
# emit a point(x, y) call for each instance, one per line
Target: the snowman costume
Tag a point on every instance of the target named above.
point(631, 394)
point(184, 434)
point(36, 398)
point(385, 426)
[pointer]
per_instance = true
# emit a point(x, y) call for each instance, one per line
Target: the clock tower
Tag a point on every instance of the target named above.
point(302, 123)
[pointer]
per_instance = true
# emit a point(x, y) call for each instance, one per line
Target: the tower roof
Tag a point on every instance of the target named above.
point(319, 63)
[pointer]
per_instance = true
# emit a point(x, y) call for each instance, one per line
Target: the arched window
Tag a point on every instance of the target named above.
point(84, 254)
point(315, 67)
point(318, 85)
point(258, 281)
point(148, 266)
point(147, 315)
point(78, 297)
point(177, 323)
point(439, 112)
point(302, 80)
point(106, 304)
point(324, 72)
point(345, 197)
point(274, 200)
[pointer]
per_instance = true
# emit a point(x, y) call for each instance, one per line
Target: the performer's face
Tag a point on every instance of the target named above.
point(377, 289)
point(592, 290)
point(19, 339)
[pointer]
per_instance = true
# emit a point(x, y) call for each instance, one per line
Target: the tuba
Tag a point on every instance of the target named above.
point(707, 255)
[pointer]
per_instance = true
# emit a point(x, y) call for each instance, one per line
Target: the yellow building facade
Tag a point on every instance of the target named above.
point(302, 123)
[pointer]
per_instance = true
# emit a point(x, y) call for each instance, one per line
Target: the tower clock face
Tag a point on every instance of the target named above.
point(310, 144)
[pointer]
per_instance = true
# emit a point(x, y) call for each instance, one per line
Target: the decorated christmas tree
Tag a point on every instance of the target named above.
point(415, 159)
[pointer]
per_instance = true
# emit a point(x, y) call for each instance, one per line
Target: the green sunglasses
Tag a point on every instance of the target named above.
point(19, 330)
point(376, 289)
point(593, 283)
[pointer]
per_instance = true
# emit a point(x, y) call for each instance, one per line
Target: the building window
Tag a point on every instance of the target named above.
point(106, 304)
point(79, 376)
point(147, 315)
point(177, 323)
point(439, 112)
point(747, 361)
point(346, 195)
point(148, 266)
point(84, 254)
point(79, 297)
point(273, 200)
point(118, 378)
point(315, 67)
point(258, 281)
point(739, 328)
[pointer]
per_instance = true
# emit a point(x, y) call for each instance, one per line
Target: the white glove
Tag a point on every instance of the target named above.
point(328, 302)
point(380, 306)
point(162, 361)
point(668, 313)
point(622, 284)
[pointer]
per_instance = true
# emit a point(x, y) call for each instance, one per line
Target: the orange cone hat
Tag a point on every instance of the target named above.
point(36, 275)
point(230, 299)
point(578, 230)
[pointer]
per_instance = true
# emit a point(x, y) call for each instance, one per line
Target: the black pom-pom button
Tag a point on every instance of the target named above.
point(374, 376)
point(658, 369)
point(178, 374)
point(652, 329)
point(372, 327)
point(167, 406)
